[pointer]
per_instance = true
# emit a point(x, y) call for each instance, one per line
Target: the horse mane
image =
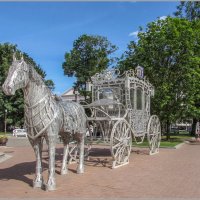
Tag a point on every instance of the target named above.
point(34, 76)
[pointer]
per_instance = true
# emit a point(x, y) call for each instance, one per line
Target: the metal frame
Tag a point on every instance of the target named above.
point(121, 112)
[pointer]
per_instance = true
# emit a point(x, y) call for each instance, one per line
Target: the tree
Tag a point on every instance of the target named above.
point(13, 104)
point(189, 10)
point(169, 52)
point(90, 54)
point(50, 84)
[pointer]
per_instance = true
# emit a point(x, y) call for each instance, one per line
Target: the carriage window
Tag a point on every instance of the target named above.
point(132, 97)
point(106, 93)
point(101, 95)
point(139, 98)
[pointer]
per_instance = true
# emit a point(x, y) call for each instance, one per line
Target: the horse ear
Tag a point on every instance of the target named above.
point(22, 57)
point(14, 56)
point(30, 72)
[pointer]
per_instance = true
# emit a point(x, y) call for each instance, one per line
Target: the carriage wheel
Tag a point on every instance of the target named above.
point(154, 134)
point(197, 129)
point(121, 143)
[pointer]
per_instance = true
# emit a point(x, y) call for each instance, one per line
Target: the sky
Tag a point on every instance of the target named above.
point(47, 30)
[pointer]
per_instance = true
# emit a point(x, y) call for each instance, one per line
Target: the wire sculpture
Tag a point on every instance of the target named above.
point(46, 117)
point(120, 112)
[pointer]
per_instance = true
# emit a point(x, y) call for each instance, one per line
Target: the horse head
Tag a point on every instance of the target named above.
point(18, 76)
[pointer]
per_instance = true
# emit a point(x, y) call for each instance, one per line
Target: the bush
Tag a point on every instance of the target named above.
point(3, 140)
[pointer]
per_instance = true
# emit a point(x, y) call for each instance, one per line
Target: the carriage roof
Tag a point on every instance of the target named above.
point(130, 79)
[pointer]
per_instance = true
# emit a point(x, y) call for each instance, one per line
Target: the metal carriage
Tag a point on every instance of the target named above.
point(120, 112)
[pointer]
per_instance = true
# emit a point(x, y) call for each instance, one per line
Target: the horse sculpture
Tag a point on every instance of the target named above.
point(46, 117)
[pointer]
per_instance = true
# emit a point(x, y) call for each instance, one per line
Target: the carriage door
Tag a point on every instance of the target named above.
point(138, 118)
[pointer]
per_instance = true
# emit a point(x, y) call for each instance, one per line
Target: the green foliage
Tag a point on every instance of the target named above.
point(90, 54)
point(50, 84)
point(189, 10)
point(170, 54)
point(13, 104)
point(3, 136)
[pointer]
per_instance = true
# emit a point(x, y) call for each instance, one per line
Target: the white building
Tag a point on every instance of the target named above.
point(69, 95)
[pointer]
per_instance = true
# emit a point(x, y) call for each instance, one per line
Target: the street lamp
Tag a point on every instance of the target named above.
point(5, 120)
point(76, 95)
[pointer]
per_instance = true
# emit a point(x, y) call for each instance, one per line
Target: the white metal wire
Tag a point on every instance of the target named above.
point(46, 117)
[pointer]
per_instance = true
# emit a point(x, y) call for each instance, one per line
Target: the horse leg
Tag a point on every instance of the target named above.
point(64, 169)
point(51, 141)
point(80, 168)
point(37, 146)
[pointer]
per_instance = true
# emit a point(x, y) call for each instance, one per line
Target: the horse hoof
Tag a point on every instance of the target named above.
point(80, 171)
point(37, 184)
point(50, 187)
point(64, 171)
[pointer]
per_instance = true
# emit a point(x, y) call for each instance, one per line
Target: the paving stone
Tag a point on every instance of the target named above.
point(173, 173)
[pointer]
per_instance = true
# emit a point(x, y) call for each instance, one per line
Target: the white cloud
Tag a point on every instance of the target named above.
point(163, 17)
point(135, 33)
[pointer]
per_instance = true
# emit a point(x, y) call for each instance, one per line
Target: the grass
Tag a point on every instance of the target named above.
point(162, 144)
point(4, 134)
point(175, 139)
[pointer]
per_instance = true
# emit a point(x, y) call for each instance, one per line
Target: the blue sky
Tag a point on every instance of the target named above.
point(46, 30)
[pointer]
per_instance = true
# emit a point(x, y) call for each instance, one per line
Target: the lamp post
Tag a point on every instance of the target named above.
point(5, 120)
point(76, 95)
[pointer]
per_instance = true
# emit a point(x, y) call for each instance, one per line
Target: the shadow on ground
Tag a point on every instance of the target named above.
point(98, 157)
point(18, 172)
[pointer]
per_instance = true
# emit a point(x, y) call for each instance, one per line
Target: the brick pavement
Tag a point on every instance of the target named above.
point(171, 173)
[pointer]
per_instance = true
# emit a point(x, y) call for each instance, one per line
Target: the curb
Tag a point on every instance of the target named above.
point(192, 143)
point(178, 146)
point(4, 157)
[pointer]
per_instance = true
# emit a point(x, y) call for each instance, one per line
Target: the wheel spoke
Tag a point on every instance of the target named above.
point(116, 138)
point(118, 150)
point(117, 145)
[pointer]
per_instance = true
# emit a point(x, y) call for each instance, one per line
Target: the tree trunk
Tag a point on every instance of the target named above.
point(168, 130)
point(1, 125)
point(192, 133)
point(85, 93)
